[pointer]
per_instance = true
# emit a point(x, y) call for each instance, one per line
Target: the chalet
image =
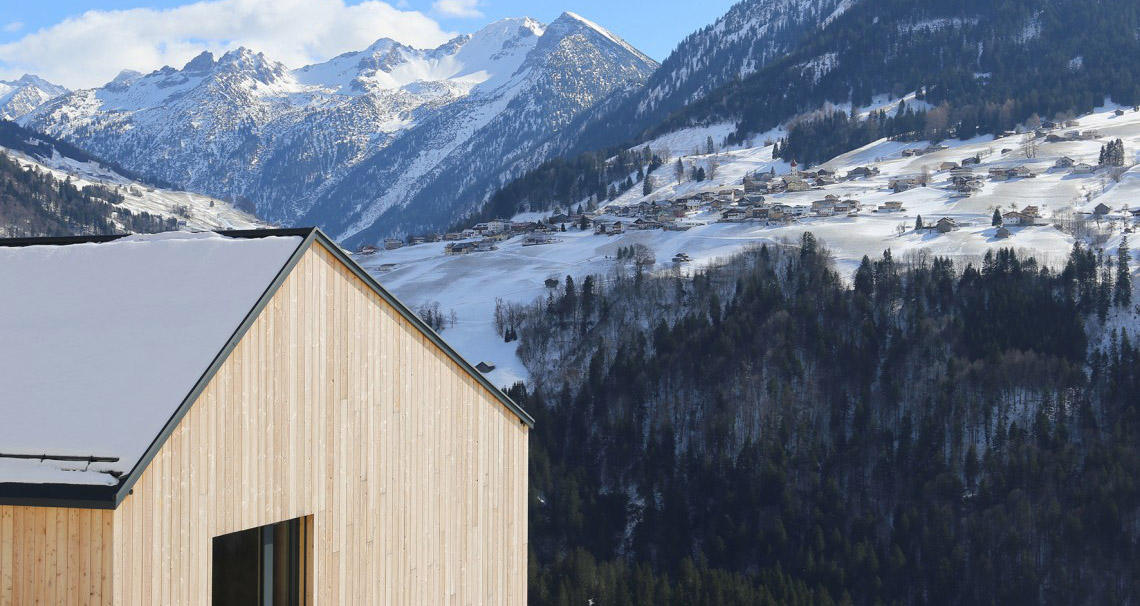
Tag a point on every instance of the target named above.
point(245, 417)
point(393, 244)
point(469, 233)
point(847, 206)
point(1083, 169)
point(863, 172)
point(603, 228)
point(756, 213)
point(458, 248)
point(1000, 174)
point(452, 236)
point(796, 184)
point(946, 225)
point(538, 239)
point(526, 227)
point(486, 245)
point(823, 208)
point(1054, 138)
point(1002, 233)
point(368, 249)
point(901, 184)
point(823, 180)
point(733, 215)
point(911, 153)
point(972, 160)
point(949, 166)
point(1031, 211)
point(1064, 162)
point(644, 224)
point(890, 206)
point(1022, 172)
point(418, 240)
point(1101, 209)
point(1014, 217)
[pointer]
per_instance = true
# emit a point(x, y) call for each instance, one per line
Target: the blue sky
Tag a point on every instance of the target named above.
point(65, 42)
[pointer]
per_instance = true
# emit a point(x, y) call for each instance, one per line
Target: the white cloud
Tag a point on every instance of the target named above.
point(14, 26)
point(457, 8)
point(90, 49)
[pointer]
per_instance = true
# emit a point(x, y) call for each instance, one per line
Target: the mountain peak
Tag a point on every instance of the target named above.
point(569, 23)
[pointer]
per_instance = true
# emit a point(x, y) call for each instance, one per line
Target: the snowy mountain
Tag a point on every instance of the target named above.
point(18, 97)
point(63, 162)
point(749, 36)
point(386, 140)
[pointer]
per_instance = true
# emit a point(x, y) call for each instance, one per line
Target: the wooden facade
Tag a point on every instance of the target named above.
point(334, 405)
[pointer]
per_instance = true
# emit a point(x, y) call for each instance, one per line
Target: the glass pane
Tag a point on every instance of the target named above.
point(236, 559)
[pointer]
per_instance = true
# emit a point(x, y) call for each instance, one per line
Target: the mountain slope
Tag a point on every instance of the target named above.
point(752, 34)
point(18, 97)
point(52, 188)
point(322, 143)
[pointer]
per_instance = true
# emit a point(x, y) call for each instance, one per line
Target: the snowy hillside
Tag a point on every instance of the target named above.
point(390, 130)
point(191, 211)
point(469, 284)
point(18, 97)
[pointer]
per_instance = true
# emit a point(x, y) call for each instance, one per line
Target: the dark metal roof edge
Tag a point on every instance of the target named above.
point(98, 239)
point(422, 326)
point(219, 359)
point(80, 496)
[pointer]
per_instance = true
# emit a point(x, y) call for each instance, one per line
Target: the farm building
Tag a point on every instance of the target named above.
point(244, 418)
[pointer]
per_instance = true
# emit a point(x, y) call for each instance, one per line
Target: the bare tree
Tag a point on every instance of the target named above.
point(642, 256)
point(1029, 145)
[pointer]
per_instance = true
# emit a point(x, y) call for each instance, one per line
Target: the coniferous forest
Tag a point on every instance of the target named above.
point(765, 432)
point(34, 203)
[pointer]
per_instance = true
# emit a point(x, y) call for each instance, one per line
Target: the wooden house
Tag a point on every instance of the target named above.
point(244, 418)
point(1064, 162)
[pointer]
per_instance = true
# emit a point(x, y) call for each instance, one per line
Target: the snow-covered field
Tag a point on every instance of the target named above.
point(470, 284)
point(194, 212)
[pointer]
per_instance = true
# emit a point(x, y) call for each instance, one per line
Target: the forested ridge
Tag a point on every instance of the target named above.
point(765, 432)
point(35, 203)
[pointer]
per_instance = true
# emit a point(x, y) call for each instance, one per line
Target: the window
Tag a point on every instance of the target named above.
point(266, 566)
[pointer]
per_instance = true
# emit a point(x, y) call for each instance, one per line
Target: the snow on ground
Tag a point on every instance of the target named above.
point(111, 338)
point(469, 284)
point(193, 211)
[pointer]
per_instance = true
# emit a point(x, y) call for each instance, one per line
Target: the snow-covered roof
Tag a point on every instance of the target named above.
point(103, 341)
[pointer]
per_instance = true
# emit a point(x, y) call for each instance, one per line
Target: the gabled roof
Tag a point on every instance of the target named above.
point(117, 338)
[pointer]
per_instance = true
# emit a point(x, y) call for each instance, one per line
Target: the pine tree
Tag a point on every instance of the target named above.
point(996, 221)
point(918, 223)
point(679, 170)
point(647, 185)
point(1122, 296)
point(710, 147)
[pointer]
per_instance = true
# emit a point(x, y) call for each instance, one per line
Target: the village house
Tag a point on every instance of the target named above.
point(1101, 209)
point(538, 239)
point(1014, 217)
point(603, 228)
point(732, 215)
point(949, 166)
point(393, 243)
point(794, 184)
point(458, 248)
point(245, 417)
point(1083, 169)
point(863, 172)
point(890, 206)
point(1002, 233)
point(452, 236)
point(1064, 162)
point(901, 184)
point(946, 225)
